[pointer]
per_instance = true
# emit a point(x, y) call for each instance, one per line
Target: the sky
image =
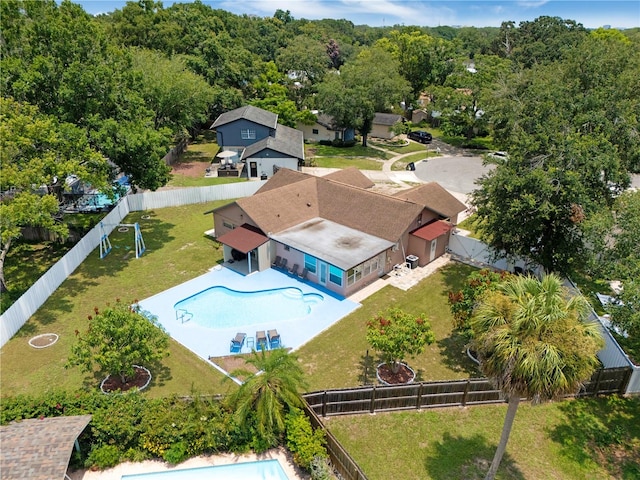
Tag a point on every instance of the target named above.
point(476, 13)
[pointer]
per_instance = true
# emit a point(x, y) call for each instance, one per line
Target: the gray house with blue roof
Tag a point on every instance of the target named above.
point(259, 142)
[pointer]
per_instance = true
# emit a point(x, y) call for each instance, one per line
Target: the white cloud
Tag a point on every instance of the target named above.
point(532, 4)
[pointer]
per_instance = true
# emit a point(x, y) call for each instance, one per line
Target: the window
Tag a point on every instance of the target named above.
point(315, 131)
point(248, 134)
point(335, 275)
point(228, 225)
point(287, 248)
point(310, 263)
point(354, 274)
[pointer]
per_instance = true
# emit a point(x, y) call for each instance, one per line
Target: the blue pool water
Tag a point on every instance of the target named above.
point(221, 307)
point(262, 470)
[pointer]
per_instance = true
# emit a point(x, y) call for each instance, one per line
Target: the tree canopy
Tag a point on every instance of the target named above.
point(532, 342)
point(37, 154)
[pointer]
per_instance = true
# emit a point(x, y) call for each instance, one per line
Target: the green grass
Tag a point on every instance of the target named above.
point(416, 157)
point(177, 250)
point(343, 162)
point(181, 181)
point(401, 149)
point(315, 149)
point(337, 357)
point(594, 439)
point(471, 225)
point(39, 257)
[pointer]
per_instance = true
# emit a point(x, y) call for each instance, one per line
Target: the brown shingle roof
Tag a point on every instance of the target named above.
point(244, 238)
point(277, 209)
point(434, 197)
point(432, 230)
point(282, 177)
point(280, 208)
point(39, 449)
point(373, 213)
point(350, 176)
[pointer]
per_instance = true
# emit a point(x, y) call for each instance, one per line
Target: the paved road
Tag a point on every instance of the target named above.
point(455, 173)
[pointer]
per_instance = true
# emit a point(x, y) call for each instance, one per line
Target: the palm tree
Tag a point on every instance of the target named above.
point(270, 393)
point(532, 342)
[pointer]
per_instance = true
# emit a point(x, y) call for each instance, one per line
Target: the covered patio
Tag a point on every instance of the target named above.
point(245, 249)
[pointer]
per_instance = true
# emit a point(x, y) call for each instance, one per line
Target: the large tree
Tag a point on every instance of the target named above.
point(37, 154)
point(268, 394)
point(117, 338)
point(371, 83)
point(533, 343)
point(571, 134)
point(178, 97)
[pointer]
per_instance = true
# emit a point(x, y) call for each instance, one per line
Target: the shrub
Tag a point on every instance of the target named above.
point(177, 453)
point(304, 443)
point(104, 456)
point(463, 302)
point(321, 469)
point(395, 334)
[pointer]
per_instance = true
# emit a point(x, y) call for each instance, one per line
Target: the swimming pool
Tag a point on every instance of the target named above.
point(222, 307)
point(214, 342)
point(262, 470)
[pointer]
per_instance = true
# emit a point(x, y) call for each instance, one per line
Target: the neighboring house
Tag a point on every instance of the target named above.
point(325, 129)
point(259, 141)
point(343, 234)
point(382, 124)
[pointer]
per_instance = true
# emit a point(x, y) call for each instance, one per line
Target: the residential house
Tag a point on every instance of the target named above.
point(335, 227)
point(382, 125)
point(325, 129)
point(257, 142)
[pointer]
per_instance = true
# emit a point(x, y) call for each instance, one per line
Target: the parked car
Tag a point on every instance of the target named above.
point(499, 155)
point(420, 136)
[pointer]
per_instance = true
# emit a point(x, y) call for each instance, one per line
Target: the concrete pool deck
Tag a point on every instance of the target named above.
point(153, 466)
point(208, 342)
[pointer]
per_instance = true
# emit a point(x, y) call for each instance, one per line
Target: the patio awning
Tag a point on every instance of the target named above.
point(39, 449)
point(433, 230)
point(244, 238)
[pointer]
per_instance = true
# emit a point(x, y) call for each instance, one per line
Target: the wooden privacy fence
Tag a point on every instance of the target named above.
point(340, 459)
point(474, 391)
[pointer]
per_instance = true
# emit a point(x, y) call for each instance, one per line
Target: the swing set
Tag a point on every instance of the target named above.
point(105, 243)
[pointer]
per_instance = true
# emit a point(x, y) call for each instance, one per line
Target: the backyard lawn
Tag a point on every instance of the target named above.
point(586, 439)
point(177, 250)
point(338, 358)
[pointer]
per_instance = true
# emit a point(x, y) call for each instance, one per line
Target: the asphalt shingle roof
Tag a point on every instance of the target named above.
point(39, 449)
point(287, 140)
point(248, 112)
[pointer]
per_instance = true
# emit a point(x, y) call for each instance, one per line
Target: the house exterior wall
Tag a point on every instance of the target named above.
point(230, 134)
point(266, 160)
point(323, 132)
point(381, 131)
point(228, 218)
point(264, 256)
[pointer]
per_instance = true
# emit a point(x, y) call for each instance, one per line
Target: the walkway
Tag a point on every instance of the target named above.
point(403, 279)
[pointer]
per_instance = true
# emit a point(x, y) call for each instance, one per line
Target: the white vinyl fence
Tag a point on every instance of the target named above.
point(15, 317)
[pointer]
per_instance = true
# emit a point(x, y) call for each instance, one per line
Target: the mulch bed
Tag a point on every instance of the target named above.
point(139, 380)
point(404, 375)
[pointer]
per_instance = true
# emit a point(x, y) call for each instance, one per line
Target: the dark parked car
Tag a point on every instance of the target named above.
point(420, 136)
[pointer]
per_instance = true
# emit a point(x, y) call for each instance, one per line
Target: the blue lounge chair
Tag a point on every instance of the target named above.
point(238, 342)
point(276, 262)
point(274, 338)
point(283, 264)
point(294, 269)
point(303, 274)
point(261, 340)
